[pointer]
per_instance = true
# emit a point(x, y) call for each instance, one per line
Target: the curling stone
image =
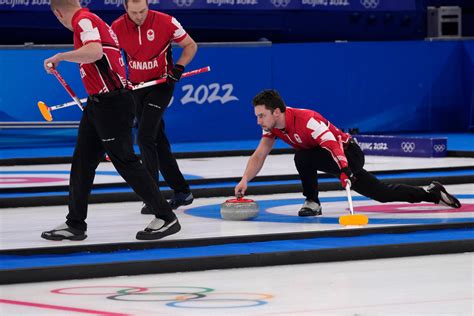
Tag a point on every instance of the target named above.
point(239, 209)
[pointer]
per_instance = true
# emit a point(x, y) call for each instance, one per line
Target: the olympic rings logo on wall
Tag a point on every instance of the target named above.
point(280, 3)
point(183, 3)
point(173, 296)
point(408, 147)
point(439, 148)
point(370, 4)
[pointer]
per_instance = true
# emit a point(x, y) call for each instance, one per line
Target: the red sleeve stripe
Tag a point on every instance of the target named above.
point(111, 47)
point(181, 38)
point(92, 41)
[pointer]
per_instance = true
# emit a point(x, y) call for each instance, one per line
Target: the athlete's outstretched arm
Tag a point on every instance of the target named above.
point(87, 54)
point(254, 164)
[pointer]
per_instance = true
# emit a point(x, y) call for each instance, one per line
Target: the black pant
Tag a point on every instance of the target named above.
point(309, 161)
point(106, 127)
point(155, 148)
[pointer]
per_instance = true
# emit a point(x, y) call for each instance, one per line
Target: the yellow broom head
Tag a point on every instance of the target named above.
point(353, 220)
point(45, 111)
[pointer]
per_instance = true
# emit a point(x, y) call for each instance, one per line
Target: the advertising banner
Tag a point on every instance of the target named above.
point(332, 5)
point(351, 84)
point(402, 146)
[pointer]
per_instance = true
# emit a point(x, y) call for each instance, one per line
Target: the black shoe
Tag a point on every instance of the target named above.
point(158, 229)
point(180, 199)
point(310, 208)
point(64, 232)
point(443, 197)
point(146, 209)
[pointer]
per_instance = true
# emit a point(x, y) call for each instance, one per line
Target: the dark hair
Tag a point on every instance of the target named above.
point(271, 99)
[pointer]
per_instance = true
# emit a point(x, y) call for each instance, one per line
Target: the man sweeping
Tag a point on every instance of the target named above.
point(105, 125)
point(146, 36)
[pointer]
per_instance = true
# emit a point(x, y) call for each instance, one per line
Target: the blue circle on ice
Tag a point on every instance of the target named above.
point(213, 211)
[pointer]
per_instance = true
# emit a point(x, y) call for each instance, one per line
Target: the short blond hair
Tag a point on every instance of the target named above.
point(55, 4)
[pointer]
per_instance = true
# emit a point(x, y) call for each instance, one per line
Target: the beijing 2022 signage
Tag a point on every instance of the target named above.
point(330, 5)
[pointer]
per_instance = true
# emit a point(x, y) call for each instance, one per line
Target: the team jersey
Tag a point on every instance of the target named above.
point(108, 73)
point(306, 129)
point(148, 46)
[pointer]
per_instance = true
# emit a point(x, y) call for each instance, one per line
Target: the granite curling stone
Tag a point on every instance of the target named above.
point(239, 209)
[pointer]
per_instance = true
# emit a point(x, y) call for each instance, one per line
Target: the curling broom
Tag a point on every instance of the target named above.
point(46, 110)
point(352, 219)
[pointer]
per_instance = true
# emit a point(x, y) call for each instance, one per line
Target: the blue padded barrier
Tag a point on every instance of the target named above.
point(384, 87)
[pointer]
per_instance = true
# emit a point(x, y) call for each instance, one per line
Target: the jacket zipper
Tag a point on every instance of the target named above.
point(139, 35)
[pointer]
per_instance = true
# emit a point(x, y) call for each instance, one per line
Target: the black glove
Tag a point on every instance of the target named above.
point(175, 73)
point(346, 174)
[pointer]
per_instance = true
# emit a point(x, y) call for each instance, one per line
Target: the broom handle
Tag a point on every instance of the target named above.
point(349, 197)
point(348, 182)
